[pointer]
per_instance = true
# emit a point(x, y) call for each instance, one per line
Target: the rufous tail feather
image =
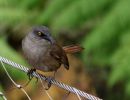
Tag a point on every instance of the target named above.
point(72, 48)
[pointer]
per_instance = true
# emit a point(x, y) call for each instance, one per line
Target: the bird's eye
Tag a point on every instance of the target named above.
point(40, 33)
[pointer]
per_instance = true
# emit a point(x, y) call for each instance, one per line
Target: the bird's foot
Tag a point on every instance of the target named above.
point(30, 76)
point(54, 73)
point(66, 96)
point(29, 73)
point(48, 80)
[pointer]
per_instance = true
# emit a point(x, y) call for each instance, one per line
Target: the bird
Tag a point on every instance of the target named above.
point(43, 52)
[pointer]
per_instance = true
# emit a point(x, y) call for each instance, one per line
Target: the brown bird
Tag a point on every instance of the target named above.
point(43, 52)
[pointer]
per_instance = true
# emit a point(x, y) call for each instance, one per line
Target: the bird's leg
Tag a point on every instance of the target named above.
point(55, 73)
point(29, 73)
point(48, 79)
point(66, 95)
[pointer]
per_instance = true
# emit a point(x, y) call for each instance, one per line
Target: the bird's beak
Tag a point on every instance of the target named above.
point(49, 38)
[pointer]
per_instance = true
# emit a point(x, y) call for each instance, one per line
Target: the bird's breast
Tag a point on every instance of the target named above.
point(34, 50)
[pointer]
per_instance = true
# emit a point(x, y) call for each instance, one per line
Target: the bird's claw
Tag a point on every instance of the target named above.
point(29, 73)
point(30, 76)
point(48, 80)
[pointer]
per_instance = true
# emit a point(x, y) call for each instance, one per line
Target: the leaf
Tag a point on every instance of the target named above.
point(7, 52)
point(77, 13)
point(53, 9)
point(104, 39)
point(120, 60)
point(15, 16)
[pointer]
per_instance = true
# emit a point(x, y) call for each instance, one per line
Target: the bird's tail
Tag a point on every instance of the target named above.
point(72, 48)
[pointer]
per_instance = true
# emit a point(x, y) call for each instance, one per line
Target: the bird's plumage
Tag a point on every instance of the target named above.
point(59, 54)
point(43, 53)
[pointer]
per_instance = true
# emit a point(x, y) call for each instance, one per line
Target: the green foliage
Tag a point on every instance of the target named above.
point(1, 89)
point(9, 3)
point(109, 44)
point(103, 41)
point(54, 7)
point(9, 16)
point(26, 4)
point(120, 62)
point(7, 52)
point(127, 89)
point(78, 12)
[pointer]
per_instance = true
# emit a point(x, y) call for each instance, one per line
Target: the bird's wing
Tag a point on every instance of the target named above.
point(59, 54)
point(72, 48)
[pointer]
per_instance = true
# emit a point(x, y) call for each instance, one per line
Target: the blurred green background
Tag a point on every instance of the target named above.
point(102, 27)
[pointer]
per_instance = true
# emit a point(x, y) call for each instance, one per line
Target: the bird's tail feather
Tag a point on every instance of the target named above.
point(72, 48)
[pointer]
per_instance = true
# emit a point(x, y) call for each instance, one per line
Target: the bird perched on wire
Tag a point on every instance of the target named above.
point(43, 52)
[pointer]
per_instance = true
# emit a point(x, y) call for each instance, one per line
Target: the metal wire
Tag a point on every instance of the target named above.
point(53, 81)
point(16, 85)
point(2, 95)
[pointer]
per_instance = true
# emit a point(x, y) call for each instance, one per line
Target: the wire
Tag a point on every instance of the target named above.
point(2, 95)
point(17, 85)
point(45, 90)
point(53, 81)
point(77, 95)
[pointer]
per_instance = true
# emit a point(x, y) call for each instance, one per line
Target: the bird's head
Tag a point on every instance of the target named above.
point(41, 33)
